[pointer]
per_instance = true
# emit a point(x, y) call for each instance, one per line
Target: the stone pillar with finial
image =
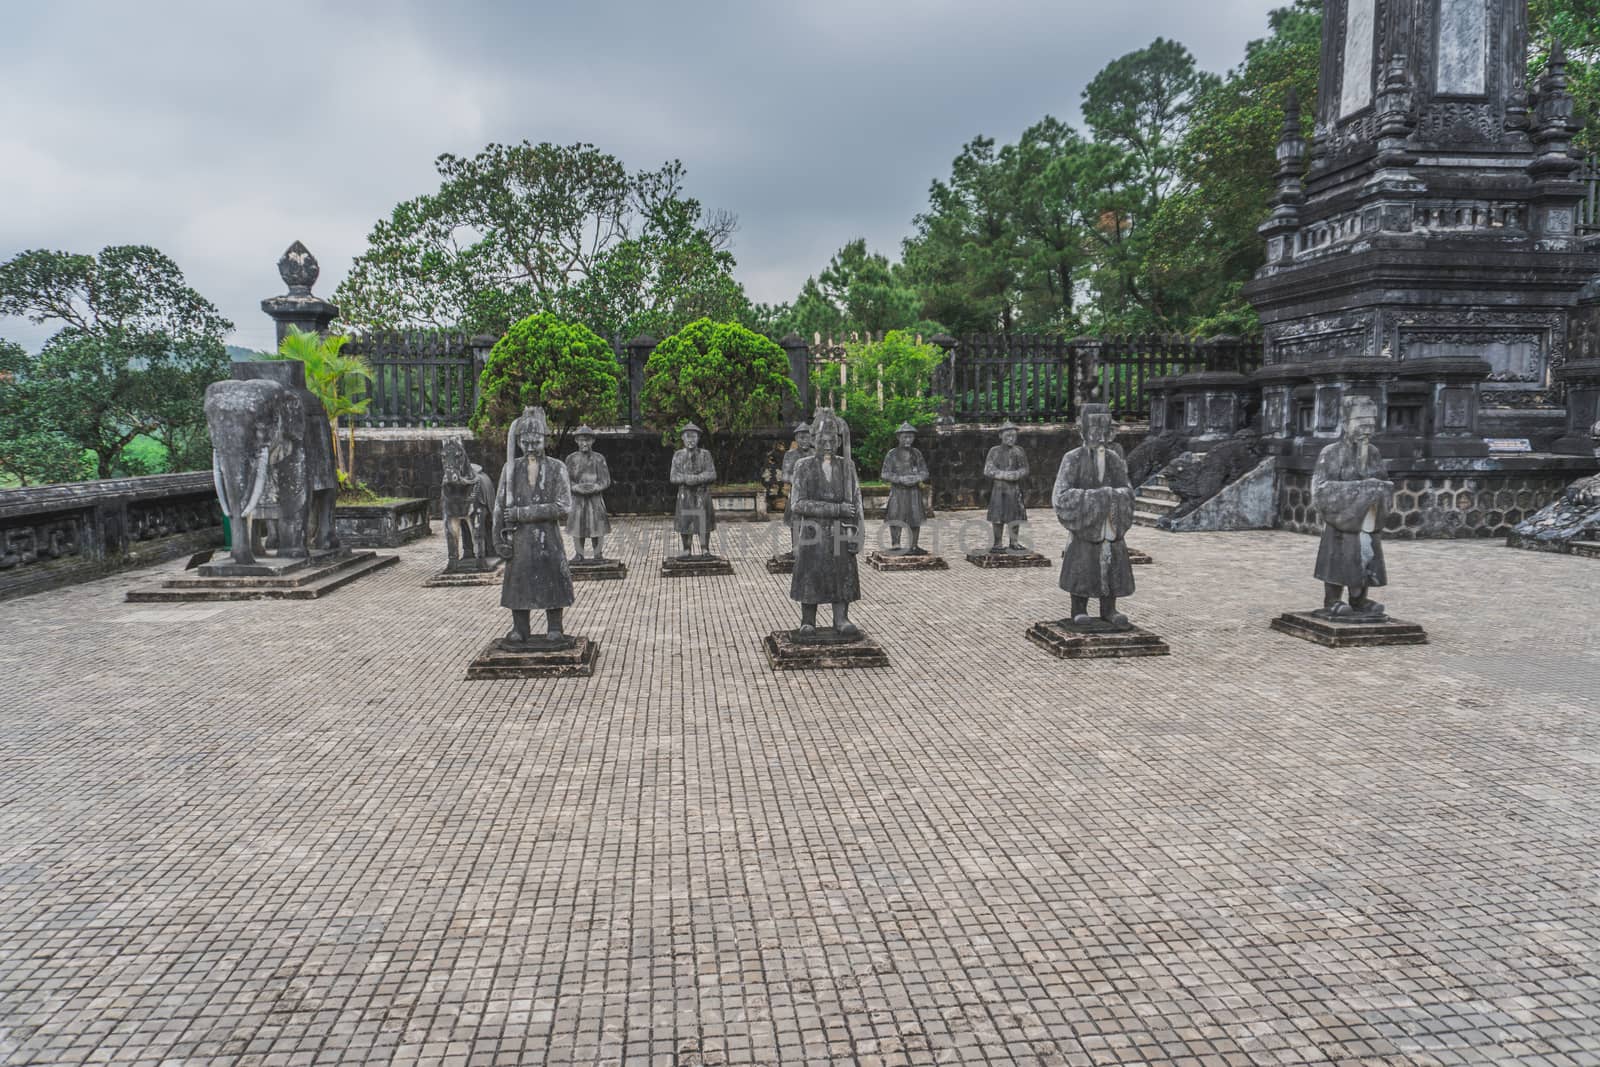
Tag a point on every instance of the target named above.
point(799, 355)
point(1554, 167)
point(298, 307)
point(1284, 222)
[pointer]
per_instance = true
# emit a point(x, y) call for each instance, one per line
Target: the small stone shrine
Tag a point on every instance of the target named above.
point(590, 477)
point(1006, 467)
point(905, 470)
point(783, 562)
point(827, 504)
point(695, 516)
point(272, 464)
point(1351, 491)
point(466, 501)
point(532, 501)
point(1093, 499)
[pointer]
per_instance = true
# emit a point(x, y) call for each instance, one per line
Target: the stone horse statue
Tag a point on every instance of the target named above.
point(465, 501)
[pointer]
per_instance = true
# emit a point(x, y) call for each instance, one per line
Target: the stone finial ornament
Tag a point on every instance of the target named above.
point(299, 269)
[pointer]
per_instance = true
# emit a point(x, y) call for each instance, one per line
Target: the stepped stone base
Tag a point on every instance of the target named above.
point(1587, 549)
point(488, 575)
point(695, 567)
point(787, 652)
point(783, 564)
point(1136, 556)
point(599, 570)
point(536, 658)
point(306, 581)
point(1066, 640)
point(1309, 626)
point(900, 561)
point(986, 558)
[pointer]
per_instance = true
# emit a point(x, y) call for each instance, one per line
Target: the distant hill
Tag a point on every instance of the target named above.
point(240, 352)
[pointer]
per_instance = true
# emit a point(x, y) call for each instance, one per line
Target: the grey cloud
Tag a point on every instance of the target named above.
point(220, 133)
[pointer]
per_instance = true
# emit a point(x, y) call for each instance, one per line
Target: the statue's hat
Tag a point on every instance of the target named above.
point(802, 427)
point(1007, 425)
point(531, 419)
point(583, 431)
point(906, 427)
point(686, 427)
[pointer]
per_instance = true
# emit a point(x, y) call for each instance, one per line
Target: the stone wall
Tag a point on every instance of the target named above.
point(1438, 503)
point(406, 463)
point(55, 535)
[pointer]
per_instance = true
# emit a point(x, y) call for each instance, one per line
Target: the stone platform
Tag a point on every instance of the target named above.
point(599, 570)
point(1066, 641)
point(489, 576)
point(787, 653)
point(1138, 557)
point(303, 581)
point(695, 567)
point(988, 559)
point(503, 659)
point(898, 561)
point(783, 564)
point(1310, 626)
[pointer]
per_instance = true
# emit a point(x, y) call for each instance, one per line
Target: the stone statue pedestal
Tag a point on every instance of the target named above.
point(1337, 633)
point(891, 560)
point(598, 570)
point(824, 650)
point(782, 563)
point(989, 558)
point(538, 657)
point(267, 579)
point(1064, 639)
point(694, 566)
point(1136, 556)
point(469, 572)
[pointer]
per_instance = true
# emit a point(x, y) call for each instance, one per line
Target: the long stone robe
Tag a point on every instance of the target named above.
point(1095, 562)
point(693, 471)
point(532, 501)
point(588, 509)
point(828, 535)
point(790, 458)
point(905, 470)
point(1005, 496)
point(1351, 553)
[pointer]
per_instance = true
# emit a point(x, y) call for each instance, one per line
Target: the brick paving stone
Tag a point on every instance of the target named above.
point(283, 833)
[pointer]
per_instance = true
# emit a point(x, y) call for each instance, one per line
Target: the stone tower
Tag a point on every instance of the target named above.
point(1434, 212)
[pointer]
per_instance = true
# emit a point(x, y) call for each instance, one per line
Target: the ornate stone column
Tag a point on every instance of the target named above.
point(298, 307)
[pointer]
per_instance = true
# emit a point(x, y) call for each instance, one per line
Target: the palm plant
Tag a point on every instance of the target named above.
point(339, 381)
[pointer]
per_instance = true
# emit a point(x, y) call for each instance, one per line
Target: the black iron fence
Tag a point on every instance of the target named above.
point(1589, 207)
point(429, 378)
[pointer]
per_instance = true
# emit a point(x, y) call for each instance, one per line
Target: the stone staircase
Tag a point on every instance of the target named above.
point(1587, 546)
point(1153, 500)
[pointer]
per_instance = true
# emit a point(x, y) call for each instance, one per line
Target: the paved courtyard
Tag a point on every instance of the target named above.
point(291, 833)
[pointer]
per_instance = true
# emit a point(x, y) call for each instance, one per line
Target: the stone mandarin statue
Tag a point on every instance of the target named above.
point(1006, 466)
point(465, 498)
point(827, 504)
point(693, 472)
point(1350, 489)
point(1093, 499)
point(533, 499)
point(905, 469)
point(801, 449)
point(590, 477)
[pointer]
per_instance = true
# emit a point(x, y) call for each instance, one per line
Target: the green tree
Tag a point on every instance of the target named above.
point(1203, 242)
point(543, 361)
point(525, 228)
point(136, 349)
point(725, 377)
point(32, 452)
point(887, 383)
point(340, 381)
point(1576, 24)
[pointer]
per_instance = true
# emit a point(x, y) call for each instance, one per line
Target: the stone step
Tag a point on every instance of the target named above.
point(326, 582)
point(1157, 492)
point(293, 580)
point(1587, 548)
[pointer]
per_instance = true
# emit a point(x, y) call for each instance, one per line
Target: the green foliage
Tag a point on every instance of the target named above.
point(31, 451)
point(723, 376)
point(858, 290)
point(336, 379)
point(525, 228)
point(1576, 24)
point(136, 349)
point(905, 369)
point(543, 361)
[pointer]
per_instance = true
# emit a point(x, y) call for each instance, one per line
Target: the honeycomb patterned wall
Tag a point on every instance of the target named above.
point(1477, 504)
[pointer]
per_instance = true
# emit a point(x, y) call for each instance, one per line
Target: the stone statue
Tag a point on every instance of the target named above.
point(533, 499)
point(905, 470)
point(1006, 465)
point(827, 503)
point(801, 449)
point(590, 478)
point(1350, 489)
point(693, 472)
point(465, 500)
point(1093, 499)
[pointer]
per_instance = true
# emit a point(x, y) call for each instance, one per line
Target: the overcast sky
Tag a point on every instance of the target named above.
point(220, 132)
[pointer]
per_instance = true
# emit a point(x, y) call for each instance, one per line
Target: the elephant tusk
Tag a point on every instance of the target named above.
point(216, 478)
point(260, 486)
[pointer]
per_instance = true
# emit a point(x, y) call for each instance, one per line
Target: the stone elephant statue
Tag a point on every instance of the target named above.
point(272, 459)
